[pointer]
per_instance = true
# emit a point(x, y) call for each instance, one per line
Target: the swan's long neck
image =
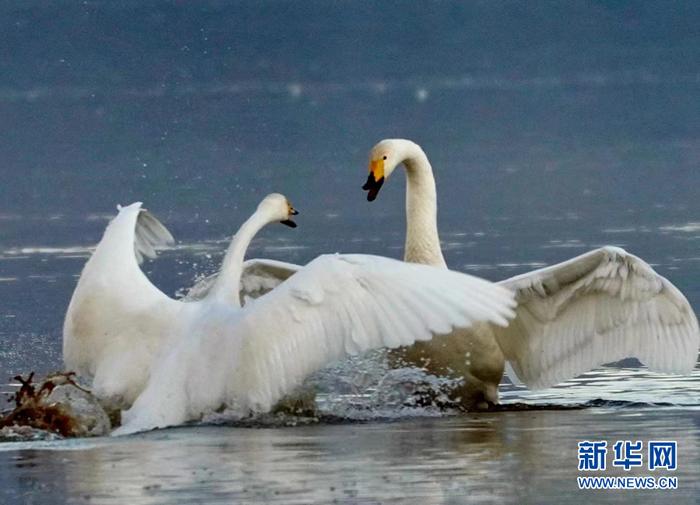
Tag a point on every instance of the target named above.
point(227, 285)
point(422, 240)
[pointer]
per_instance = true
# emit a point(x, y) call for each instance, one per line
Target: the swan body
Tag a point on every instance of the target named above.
point(117, 321)
point(190, 358)
point(335, 306)
point(599, 307)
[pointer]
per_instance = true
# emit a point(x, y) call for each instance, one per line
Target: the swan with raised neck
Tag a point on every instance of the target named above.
point(422, 238)
point(274, 207)
point(472, 355)
point(576, 307)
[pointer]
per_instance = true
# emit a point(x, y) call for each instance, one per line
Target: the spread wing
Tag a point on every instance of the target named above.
point(149, 234)
point(341, 305)
point(111, 325)
point(259, 276)
point(599, 307)
point(337, 305)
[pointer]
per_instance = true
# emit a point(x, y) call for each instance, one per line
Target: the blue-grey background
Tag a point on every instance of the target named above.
point(553, 127)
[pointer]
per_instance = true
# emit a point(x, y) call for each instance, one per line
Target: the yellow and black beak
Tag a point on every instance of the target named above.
point(375, 179)
point(292, 212)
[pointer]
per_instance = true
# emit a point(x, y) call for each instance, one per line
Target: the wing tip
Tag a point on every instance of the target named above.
point(130, 207)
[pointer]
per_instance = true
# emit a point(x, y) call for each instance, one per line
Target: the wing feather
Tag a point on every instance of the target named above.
point(113, 325)
point(259, 276)
point(336, 306)
point(600, 307)
point(149, 234)
point(339, 305)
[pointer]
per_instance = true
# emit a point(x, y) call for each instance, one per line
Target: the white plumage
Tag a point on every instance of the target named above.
point(597, 308)
point(602, 306)
point(336, 306)
point(117, 319)
point(259, 276)
point(182, 359)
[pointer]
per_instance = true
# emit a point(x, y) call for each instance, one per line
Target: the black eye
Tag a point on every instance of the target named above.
point(384, 157)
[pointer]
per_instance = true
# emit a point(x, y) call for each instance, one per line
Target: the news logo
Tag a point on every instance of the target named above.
point(627, 455)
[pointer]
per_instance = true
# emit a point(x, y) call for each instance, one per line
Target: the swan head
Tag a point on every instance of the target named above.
point(277, 208)
point(384, 157)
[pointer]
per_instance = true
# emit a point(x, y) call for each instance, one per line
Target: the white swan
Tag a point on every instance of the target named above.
point(193, 357)
point(335, 306)
point(599, 307)
point(117, 320)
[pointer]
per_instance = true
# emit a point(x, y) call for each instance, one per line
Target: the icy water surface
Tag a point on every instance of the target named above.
point(553, 128)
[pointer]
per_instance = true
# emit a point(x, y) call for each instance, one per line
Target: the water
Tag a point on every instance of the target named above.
point(548, 138)
point(507, 458)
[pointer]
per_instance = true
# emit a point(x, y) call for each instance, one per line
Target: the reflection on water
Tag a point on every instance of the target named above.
point(626, 385)
point(506, 457)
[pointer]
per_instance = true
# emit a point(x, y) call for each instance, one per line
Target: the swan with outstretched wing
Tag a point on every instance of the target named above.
point(334, 307)
point(173, 361)
point(117, 320)
point(596, 308)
